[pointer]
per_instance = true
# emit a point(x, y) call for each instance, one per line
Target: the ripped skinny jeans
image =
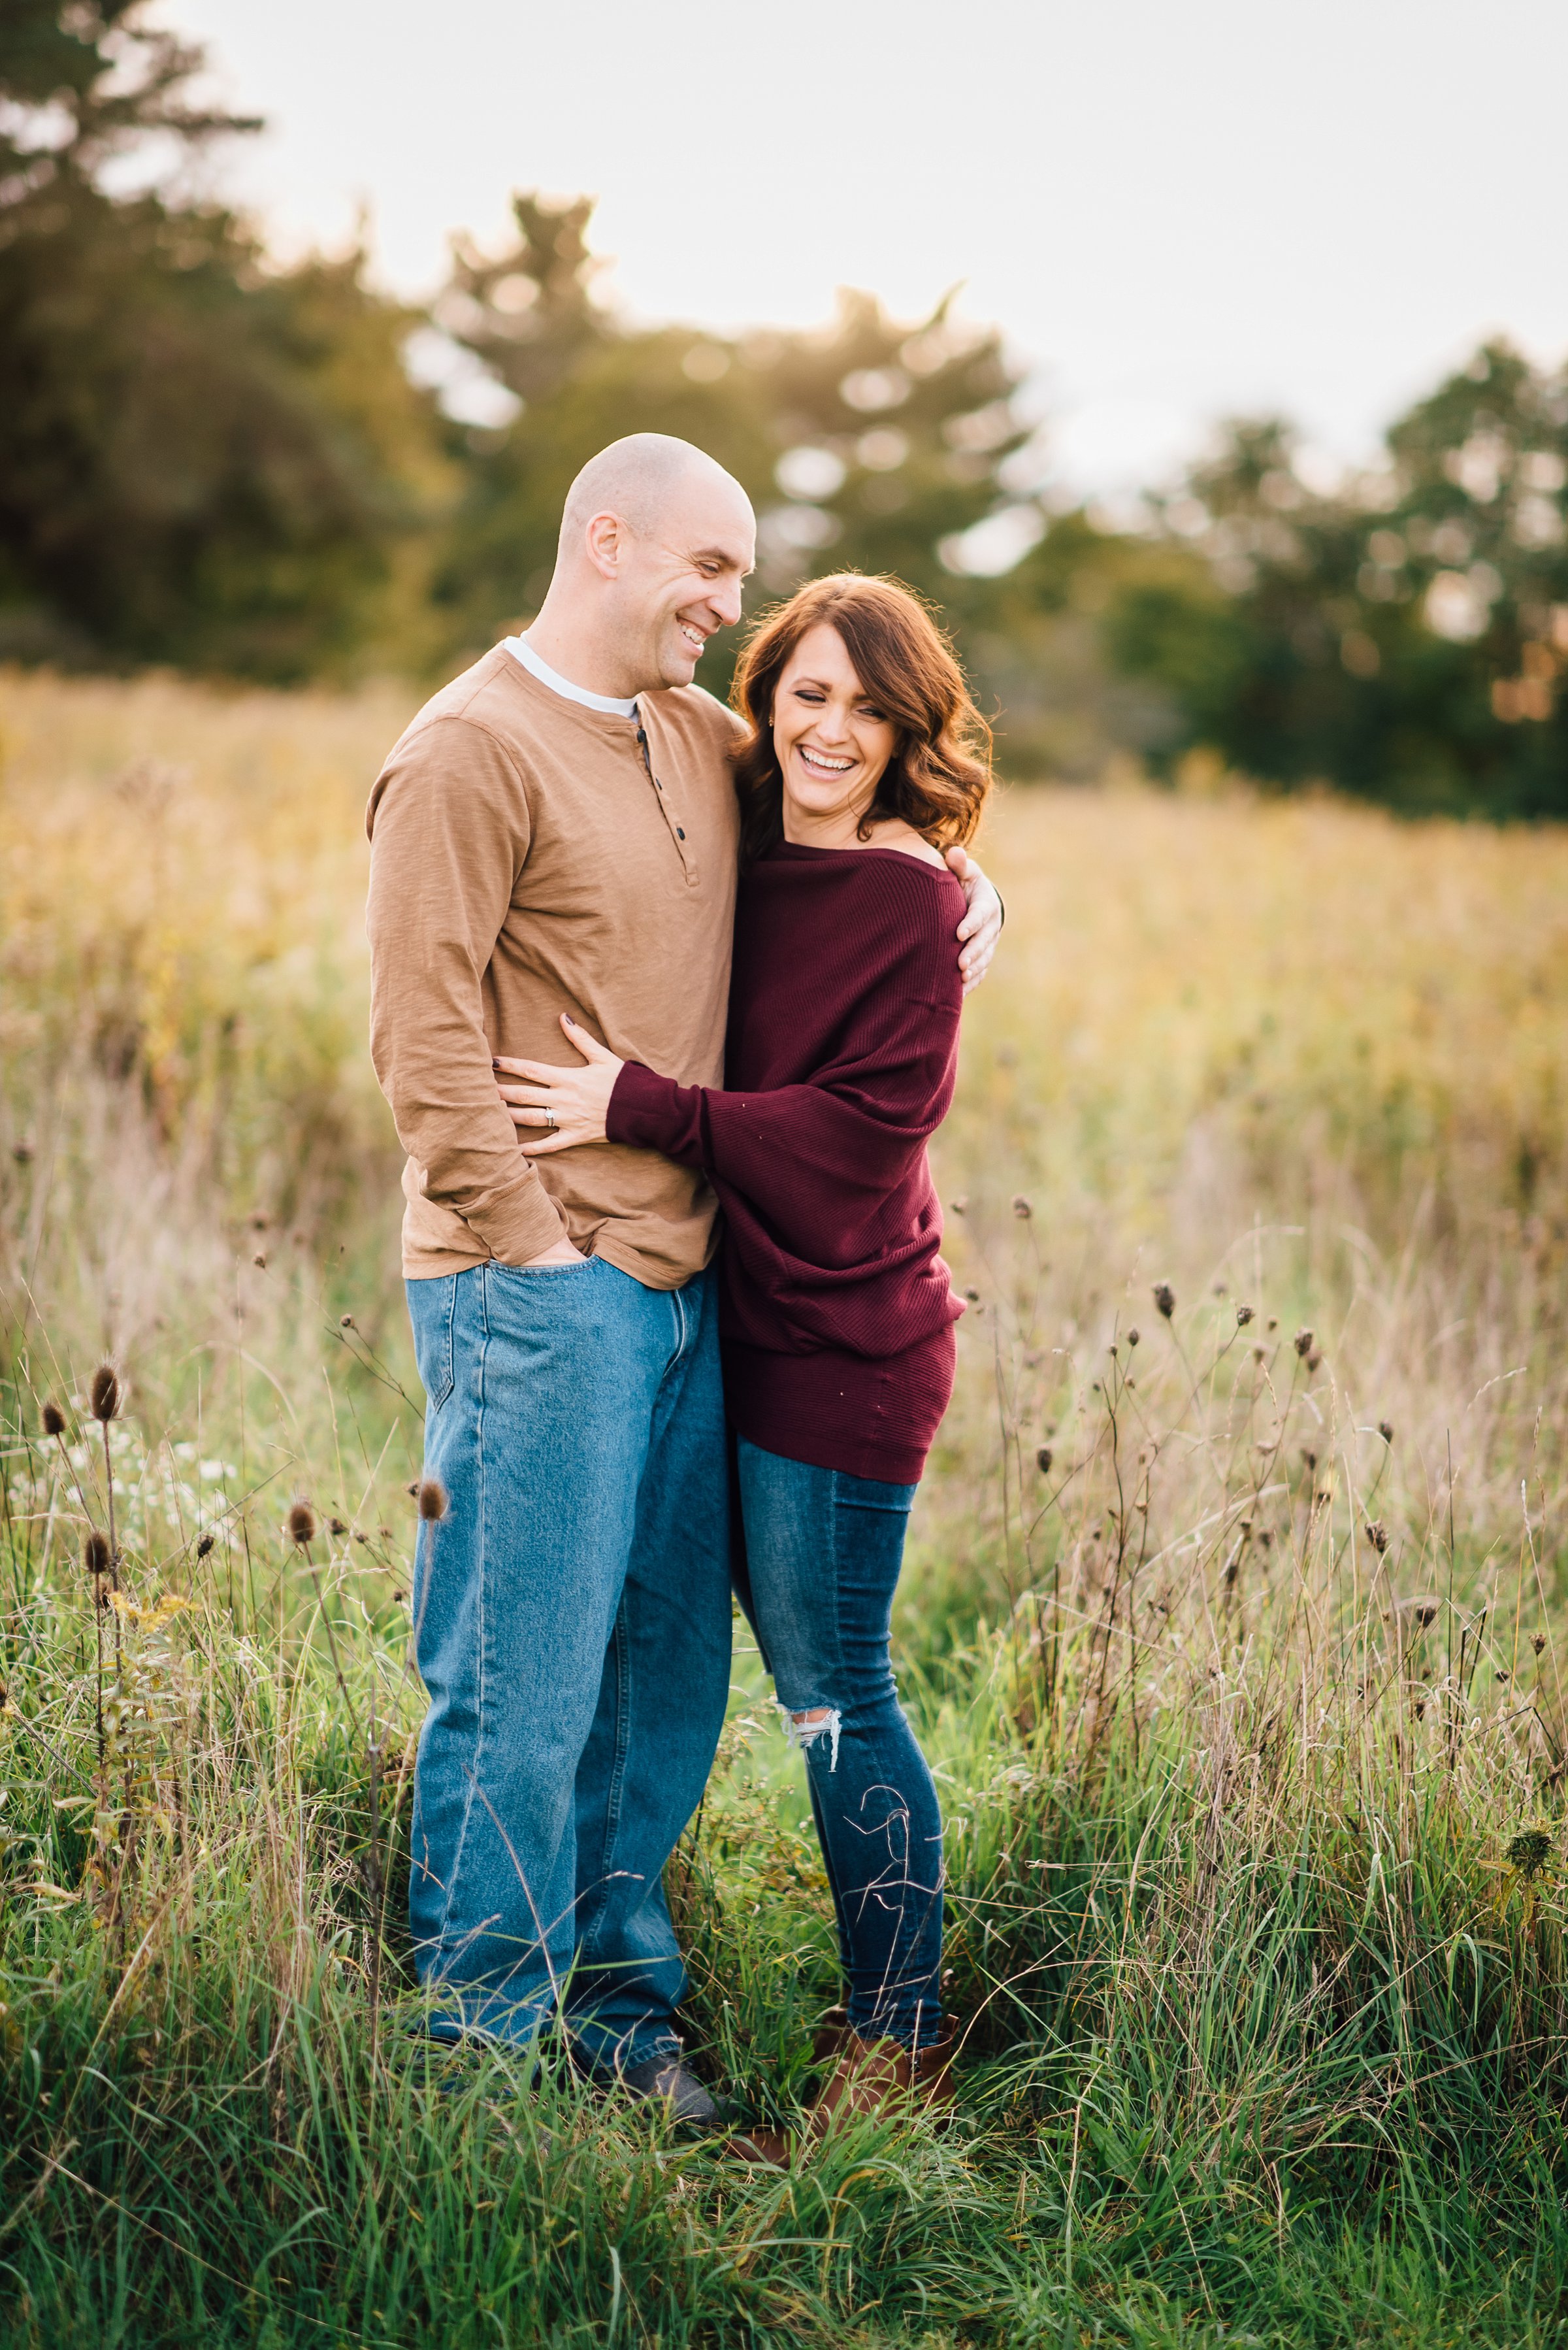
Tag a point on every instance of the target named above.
point(822, 1551)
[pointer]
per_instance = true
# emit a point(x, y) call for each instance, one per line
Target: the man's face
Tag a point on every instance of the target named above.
point(683, 580)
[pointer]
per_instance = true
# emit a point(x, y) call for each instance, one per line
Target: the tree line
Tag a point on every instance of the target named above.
point(216, 464)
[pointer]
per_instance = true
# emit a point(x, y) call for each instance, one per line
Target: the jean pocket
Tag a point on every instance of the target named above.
point(540, 1271)
point(432, 1310)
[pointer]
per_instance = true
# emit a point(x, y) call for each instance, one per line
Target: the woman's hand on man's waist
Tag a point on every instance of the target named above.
point(554, 1108)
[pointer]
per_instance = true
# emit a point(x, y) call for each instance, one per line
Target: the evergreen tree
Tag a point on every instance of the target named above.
point(1404, 637)
point(201, 461)
point(870, 445)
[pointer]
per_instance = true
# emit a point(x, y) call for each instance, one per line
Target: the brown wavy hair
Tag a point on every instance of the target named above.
point(940, 773)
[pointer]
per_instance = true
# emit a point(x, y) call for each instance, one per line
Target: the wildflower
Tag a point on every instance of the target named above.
point(1386, 1430)
point(336, 1526)
point(103, 1395)
point(1132, 1337)
point(1244, 1313)
point(1538, 1641)
point(1302, 1343)
point(204, 1546)
point(1043, 1459)
point(1165, 1298)
point(54, 1420)
point(1500, 1674)
point(432, 1501)
point(1378, 1535)
point(1426, 1614)
point(1020, 1208)
point(301, 1524)
point(345, 1322)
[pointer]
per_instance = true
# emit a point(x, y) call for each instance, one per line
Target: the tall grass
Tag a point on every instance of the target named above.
point(1233, 1619)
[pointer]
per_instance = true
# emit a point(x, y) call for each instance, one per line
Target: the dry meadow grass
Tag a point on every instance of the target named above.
point(1234, 1616)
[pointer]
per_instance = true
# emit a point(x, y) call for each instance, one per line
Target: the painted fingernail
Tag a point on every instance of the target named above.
point(495, 1064)
point(568, 1019)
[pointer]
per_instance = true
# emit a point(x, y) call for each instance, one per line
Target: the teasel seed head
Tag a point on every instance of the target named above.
point(301, 1524)
point(1303, 1342)
point(1244, 1313)
point(1528, 1851)
point(1020, 1208)
point(432, 1501)
point(96, 1559)
point(1165, 1298)
point(54, 1420)
point(205, 1546)
point(1043, 1459)
point(103, 1395)
point(1386, 1430)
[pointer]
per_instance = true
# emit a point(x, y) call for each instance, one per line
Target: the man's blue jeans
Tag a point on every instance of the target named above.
point(823, 1554)
point(572, 1627)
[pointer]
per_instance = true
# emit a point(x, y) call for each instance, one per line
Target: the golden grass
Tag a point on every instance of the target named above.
point(1297, 1048)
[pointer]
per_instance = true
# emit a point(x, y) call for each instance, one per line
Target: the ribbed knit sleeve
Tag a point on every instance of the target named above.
point(844, 1037)
point(818, 1160)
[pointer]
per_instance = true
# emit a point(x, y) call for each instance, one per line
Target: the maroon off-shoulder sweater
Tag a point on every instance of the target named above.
point(837, 1310)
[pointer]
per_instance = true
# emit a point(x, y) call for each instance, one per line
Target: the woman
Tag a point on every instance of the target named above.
point(865, 761)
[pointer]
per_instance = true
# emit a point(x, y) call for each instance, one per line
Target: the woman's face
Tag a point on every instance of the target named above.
point(832, 745)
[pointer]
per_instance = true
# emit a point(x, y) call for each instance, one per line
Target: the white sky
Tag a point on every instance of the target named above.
point(1174, 211)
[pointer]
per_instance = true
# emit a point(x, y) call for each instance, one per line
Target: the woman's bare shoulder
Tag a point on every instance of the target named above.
point(904, 837)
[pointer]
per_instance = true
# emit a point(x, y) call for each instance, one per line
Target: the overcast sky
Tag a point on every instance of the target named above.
point(1178, 209)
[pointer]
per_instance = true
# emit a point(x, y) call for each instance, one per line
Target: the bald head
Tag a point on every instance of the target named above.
point(656, 541)
point(643, 480)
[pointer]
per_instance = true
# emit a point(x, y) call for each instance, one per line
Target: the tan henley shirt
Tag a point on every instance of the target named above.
point(527, 860)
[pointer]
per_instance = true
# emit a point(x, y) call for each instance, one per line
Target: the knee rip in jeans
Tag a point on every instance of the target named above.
point(814, 1723)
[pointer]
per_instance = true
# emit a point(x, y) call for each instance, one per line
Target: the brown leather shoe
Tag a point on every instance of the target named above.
point(876, 2076)
point(762, 2145)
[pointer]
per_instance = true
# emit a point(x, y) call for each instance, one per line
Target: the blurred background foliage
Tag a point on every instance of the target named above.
point(212, 463)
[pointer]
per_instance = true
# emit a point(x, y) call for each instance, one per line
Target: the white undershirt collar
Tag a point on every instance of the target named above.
point(521, 650)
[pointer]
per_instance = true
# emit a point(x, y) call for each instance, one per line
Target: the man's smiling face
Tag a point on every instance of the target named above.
point(682, 580)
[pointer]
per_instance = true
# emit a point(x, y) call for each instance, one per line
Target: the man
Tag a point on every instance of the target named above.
point(556, 832)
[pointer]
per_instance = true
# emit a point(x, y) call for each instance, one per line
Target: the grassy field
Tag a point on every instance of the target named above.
point(1234, 1619)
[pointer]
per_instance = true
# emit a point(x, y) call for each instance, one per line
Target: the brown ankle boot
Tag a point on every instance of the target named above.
point(827, 2041)
point(875, 2076)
